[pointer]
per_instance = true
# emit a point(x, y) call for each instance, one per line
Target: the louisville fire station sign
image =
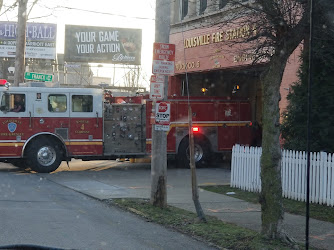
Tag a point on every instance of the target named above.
point(163, 58)
point(38, 77)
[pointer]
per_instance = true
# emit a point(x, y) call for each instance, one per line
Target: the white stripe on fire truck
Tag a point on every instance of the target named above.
point(85, 140)
point(71, 143)
point(11, 141)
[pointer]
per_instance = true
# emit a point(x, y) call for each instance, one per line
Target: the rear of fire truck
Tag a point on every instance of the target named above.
point(218, 124)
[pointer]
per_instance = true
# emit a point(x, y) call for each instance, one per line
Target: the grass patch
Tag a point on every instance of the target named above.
point(319, 212)
point(214, 232)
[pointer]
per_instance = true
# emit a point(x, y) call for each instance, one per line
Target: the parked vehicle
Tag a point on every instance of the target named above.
point(58, 124)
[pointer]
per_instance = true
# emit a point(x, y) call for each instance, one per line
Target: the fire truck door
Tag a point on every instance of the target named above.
point(86, 124)
point(51, 113)
point(15, 123)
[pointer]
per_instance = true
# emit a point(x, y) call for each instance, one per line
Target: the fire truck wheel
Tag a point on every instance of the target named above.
point(44, 156)
point(201, 150)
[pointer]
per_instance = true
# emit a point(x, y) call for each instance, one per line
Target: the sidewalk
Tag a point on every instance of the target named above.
point(248, 215)
point(136, 184)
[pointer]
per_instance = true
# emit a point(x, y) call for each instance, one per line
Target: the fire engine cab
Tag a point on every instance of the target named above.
point(56, 124)
point(42, 126)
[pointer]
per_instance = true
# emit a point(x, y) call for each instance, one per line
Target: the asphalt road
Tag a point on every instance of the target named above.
point(35, 209)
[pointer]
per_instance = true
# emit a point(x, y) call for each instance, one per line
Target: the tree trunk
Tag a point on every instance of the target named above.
point(271, 194)
point(20, 43)
point(194, 186)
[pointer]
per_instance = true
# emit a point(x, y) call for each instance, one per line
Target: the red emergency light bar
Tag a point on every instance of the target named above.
point(3, 81)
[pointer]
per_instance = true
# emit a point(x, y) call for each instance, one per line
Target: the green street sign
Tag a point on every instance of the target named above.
point(38, 77)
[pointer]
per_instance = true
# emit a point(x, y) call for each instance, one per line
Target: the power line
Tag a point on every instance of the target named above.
point(104, 13)
point(10, 8)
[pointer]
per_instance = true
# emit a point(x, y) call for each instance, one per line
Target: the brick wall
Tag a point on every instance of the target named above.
point(289, 77)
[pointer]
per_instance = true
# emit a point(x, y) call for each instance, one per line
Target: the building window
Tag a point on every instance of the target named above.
point(202, 6)
point(184, 8)
point(222, 3)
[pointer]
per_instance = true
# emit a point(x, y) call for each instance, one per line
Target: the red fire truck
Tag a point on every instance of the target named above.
point(42, 126)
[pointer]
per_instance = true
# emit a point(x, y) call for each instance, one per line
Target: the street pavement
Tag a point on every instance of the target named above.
point(35, 211)
point(111, 179)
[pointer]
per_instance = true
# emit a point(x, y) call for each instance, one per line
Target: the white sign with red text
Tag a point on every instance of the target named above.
point(157, 87)
point(163, 58)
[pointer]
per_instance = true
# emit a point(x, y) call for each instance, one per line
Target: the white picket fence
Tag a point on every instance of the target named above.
point(245, 173)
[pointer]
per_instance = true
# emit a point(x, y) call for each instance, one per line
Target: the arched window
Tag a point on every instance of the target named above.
point(202, 6)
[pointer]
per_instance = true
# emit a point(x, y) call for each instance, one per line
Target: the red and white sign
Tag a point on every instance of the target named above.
point(163, 58)
point(162, 113)
point(157, 87)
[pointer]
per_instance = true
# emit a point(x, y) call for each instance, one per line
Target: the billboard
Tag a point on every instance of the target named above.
point(102, 45)
point(40, 40)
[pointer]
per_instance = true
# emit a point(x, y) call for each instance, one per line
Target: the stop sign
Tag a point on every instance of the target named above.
point(162, 107)
point(162, 114)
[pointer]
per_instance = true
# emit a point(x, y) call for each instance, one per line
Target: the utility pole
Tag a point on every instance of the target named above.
point(159, 138)
point(20, 43)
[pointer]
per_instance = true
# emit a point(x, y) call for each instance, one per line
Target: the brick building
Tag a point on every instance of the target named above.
point(203, 50)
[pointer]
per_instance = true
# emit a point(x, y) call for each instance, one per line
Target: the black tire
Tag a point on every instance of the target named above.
point(44, 156)
point(202, 152)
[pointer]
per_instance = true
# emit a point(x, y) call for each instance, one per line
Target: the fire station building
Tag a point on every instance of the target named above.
point(213, 67)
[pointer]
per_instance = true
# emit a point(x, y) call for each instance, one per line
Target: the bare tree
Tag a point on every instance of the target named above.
point(132, 77)
point(272, 30)
point(20, 43)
